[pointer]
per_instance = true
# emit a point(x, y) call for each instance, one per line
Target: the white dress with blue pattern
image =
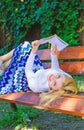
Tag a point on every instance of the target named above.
point(14, 78)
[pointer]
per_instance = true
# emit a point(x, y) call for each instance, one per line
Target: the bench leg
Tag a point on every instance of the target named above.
point(13, 106)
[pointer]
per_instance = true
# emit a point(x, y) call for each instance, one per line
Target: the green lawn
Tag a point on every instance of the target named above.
point(29, 117)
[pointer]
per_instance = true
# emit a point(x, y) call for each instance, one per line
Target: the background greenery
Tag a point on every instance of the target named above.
point(49, 16)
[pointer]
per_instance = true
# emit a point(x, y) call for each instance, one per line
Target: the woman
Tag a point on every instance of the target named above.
point(25, 72)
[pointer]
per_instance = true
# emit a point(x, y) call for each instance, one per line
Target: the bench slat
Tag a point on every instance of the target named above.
point(69, 67)
point(68, 53)
point(70, 105)
point(76, 52)
point(73, 67)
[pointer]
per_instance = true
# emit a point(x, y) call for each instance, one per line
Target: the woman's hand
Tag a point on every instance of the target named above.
point(35, 45)
point(54, 50)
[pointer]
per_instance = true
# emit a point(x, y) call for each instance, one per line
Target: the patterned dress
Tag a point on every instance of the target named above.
point(14, 78)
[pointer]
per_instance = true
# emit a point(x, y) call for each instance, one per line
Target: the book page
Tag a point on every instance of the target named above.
point(55, 40)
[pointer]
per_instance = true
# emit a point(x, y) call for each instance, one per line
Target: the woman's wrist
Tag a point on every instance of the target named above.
point(34, 51)
point(35, 45)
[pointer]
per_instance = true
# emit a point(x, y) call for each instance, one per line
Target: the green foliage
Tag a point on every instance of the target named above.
point(79, 82)
point(54, 16)
point(23, 116)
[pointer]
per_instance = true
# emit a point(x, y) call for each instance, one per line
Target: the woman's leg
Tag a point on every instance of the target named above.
point(14, 78)
point(7, 56)
point(5, 65)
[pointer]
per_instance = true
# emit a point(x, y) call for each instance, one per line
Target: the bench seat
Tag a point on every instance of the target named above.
point(73, 105)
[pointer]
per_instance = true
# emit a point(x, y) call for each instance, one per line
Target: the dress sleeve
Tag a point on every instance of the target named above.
point(29, 65)
point(54, 62)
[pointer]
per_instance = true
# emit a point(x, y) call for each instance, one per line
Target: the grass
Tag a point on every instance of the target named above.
point(80, 82)
point(9, 117)
point(25, 116)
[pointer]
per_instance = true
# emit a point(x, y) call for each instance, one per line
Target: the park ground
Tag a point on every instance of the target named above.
point(37, 120)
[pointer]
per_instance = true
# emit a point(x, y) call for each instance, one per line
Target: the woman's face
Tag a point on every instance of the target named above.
point(56, 81)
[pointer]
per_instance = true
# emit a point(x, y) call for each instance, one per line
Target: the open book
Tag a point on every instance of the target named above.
point(55, 40)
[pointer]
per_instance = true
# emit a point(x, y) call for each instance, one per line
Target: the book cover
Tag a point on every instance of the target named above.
point(55, 40)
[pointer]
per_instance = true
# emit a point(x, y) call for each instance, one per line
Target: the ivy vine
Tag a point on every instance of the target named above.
point(54, 16)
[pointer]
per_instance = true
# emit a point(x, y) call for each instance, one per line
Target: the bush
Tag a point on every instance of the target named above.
point(60, 17)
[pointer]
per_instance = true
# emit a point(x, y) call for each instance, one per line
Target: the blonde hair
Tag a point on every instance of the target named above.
point(69, 88)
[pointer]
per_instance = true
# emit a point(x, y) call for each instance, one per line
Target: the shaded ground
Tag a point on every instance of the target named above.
point(50, 121)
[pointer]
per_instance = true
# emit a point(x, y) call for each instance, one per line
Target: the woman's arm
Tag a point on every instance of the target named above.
point(29, 65)
point(30, 61)
point(54, 59)
point(5, 65)
point(31, 78)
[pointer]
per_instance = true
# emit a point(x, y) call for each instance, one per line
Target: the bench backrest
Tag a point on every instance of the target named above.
point(71, 59)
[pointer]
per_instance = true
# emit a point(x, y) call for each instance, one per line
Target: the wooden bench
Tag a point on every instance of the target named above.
point(71, 61)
